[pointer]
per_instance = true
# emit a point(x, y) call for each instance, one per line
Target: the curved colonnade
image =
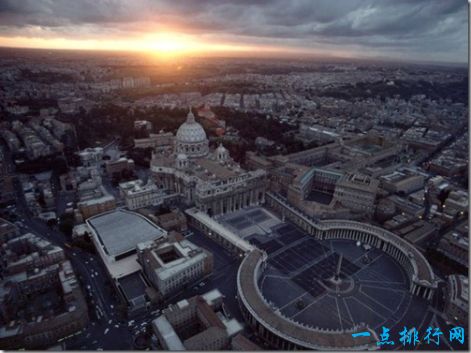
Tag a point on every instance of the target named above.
point(423, 282)
point(284, 333)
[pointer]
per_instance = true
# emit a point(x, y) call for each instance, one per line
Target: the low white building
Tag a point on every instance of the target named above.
point(142, 124)
point(170, 265)
point(91, 156)
point(456, 203)
point(317, 133)
point(116, 234)
point(160, 141)
point(137, 194)
point(357, 192)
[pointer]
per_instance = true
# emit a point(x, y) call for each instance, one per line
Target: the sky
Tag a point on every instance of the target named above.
point(416, 30)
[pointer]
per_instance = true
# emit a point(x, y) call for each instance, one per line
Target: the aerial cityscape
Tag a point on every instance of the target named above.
point(218, 175)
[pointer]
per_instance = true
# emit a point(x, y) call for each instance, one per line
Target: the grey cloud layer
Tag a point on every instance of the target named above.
point(417, 27)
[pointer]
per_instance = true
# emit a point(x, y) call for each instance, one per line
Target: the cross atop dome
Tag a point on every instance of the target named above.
point(190, 118)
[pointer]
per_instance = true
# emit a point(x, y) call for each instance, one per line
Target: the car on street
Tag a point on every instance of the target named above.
point(187, 233)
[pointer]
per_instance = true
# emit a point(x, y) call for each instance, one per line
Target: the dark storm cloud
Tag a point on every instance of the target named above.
point(418, 27)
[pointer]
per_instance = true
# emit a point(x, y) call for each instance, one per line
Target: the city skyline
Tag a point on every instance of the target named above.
point(432, 31)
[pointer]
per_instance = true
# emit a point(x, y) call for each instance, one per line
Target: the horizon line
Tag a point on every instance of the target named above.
point(245, 55)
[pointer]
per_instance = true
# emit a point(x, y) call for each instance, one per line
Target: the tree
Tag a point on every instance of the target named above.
point(85, 243)
point(66, 224)
point(443, 195)
point(41, 200)
point(162, 210)
point(51, 222)
point(59, 166)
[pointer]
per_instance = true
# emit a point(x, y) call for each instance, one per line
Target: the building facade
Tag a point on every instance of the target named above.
point(157, 141)
point(119, 165)
point(138, 195)
point(402, 182)
point(357, 192)
point(170, 265)
point(91, 156)
point(31, 269)
point(457, 299)
point(92, 207)
point(173, 220)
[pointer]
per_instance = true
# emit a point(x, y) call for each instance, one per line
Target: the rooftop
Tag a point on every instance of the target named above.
point(396, 176)
point(220, 229)
point(133, 285)
point(215, 168)
point(168, 334)
point(120, 231)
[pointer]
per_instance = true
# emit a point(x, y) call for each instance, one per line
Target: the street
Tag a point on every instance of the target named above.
point(93, 277)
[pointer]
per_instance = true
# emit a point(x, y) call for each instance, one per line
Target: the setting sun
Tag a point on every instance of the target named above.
point(170, 43)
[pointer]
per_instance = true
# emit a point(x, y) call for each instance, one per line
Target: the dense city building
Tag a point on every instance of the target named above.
point(7, 191)
point(196, 324)
point(7, 231)
point(119, 165)
point(91, 156)
point(457, 299)
point(454, 245)
point(41, 299)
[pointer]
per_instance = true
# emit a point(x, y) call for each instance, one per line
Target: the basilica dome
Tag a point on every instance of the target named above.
point(191, 131)
point(191, 138)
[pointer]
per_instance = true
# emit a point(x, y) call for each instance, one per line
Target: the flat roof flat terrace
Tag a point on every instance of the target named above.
point(119, 231)
point(249, 222)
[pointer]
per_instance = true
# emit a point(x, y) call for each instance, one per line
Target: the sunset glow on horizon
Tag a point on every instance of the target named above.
point(353, 28)
point(159, 42)
point(165, 44)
